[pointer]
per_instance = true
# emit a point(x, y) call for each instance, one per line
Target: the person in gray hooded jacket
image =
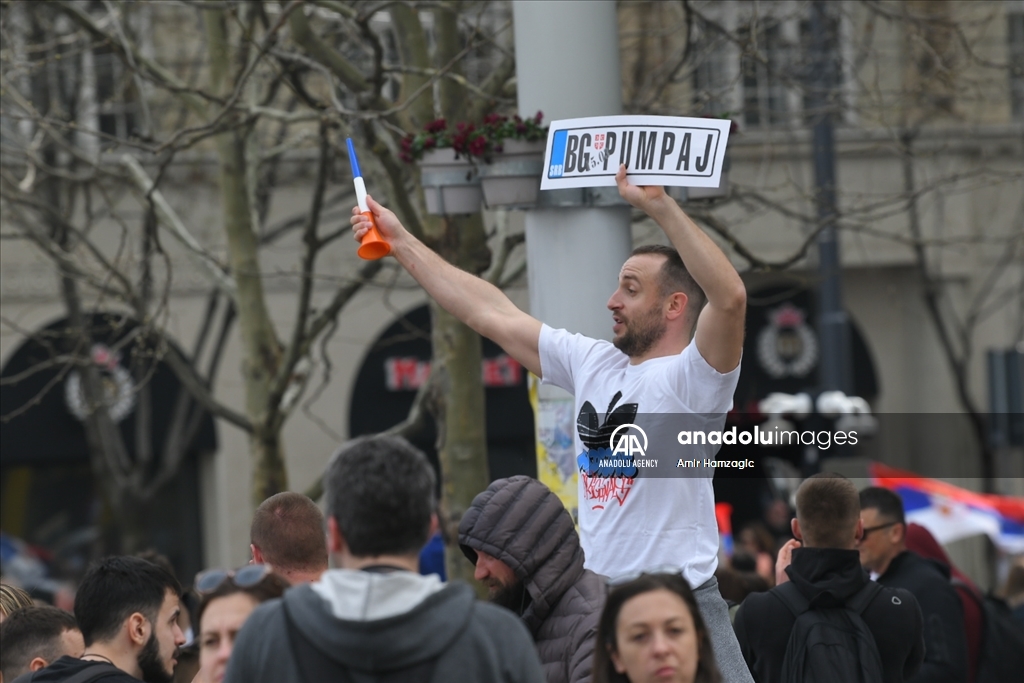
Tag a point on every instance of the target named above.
point(376, 619)
point(525, 548)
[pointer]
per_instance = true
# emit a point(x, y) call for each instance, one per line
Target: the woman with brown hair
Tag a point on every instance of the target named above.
point(227, 600)
point(651, 630)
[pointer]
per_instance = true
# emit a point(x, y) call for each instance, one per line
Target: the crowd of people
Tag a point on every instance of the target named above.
point(634, 595)
point(845, 606)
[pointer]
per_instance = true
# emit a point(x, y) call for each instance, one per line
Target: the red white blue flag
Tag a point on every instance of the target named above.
point(951, 513)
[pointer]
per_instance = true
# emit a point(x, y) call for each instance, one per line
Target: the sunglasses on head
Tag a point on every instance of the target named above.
point(617, 581)
point(248, 576)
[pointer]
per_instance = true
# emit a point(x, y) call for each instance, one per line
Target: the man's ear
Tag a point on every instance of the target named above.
point(676, 305)
point(794, 525)
point(138, 629)
point(335, 539)
point(257, 554)
point(858, 533)
point(37, 664)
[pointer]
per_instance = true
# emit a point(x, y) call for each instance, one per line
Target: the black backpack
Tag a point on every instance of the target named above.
point(830, 644)
point(1001, 659)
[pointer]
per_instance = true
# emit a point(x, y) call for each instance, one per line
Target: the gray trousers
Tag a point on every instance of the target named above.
point(723, 639)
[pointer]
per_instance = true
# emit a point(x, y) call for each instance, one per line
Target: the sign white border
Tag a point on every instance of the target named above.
point(705, 141)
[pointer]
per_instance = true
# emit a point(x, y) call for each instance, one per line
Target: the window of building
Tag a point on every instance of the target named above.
point(1015, 54)
point(710, 79)
point(763, 68)
point(116, 102)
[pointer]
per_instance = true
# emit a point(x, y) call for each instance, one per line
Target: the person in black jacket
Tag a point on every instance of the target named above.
point(883, 551)
point(525, 548)
point(822, 563)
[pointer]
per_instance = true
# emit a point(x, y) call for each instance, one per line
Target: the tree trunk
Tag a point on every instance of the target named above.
point(462, 425)
point(261, 351)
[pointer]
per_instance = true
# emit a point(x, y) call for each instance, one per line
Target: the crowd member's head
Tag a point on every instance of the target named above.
point(12, 598)
point(287, 533)
point(656, 297)
point(34, 637)
point(127, 609)
point(735, 585)
point(828, 512)
point(228, 598)
point(651, 630)
point(883, 536)
point(380, 503)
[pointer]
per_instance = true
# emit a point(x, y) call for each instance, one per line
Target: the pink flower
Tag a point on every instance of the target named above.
point(477, 145)
point(436, 126)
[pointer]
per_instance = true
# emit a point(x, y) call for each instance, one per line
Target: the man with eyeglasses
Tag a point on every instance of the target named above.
point(883, 552)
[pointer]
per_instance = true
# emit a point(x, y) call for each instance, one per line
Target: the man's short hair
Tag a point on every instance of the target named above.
point(674, 277)
point(888, 503)
point(31, 632)
point(288, 528)
point(380, 490)
point(827, 508)
point(115, 588)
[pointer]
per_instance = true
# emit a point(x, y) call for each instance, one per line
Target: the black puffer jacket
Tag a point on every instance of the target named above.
point(522, 523)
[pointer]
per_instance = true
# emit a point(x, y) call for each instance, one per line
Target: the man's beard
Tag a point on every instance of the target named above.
point(642, 332)
point(153, 670)
point(512, 597)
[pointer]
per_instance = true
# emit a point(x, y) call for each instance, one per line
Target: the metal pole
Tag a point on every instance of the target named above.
point(835, 373)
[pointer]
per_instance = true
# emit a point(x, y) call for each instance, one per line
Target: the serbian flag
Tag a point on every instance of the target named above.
point(951, 513)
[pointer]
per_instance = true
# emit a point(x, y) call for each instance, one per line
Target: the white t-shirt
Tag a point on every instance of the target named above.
point(631, 524)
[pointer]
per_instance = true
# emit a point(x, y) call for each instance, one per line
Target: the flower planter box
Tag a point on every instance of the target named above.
point(512, 178)
point(450, 185)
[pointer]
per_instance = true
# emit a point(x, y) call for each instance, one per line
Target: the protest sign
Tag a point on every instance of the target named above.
point(657, 150)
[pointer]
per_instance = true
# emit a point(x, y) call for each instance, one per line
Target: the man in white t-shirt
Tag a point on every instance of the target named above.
point(678, 317)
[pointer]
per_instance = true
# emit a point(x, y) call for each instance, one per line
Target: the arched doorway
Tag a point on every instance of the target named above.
point(50, 496)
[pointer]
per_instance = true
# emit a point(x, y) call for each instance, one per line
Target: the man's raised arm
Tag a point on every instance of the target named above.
point(474, 301)
point(719, 335)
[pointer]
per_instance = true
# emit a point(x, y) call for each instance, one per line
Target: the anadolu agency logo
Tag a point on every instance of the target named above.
point(625, 454)
point(627, 445)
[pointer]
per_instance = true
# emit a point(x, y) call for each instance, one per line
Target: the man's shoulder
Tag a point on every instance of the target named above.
point(66, 667)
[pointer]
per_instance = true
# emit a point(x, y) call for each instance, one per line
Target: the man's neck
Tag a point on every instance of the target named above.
point(124, 658)
point(883, 568)
point(406, 562)
point(665, 347)
point(296, 577)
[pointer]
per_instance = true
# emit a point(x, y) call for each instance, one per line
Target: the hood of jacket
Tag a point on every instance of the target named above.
point(379, 622)
point(522, 523)
point(827, 577)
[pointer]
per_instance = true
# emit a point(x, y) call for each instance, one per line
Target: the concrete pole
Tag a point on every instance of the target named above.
point(567, 65)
